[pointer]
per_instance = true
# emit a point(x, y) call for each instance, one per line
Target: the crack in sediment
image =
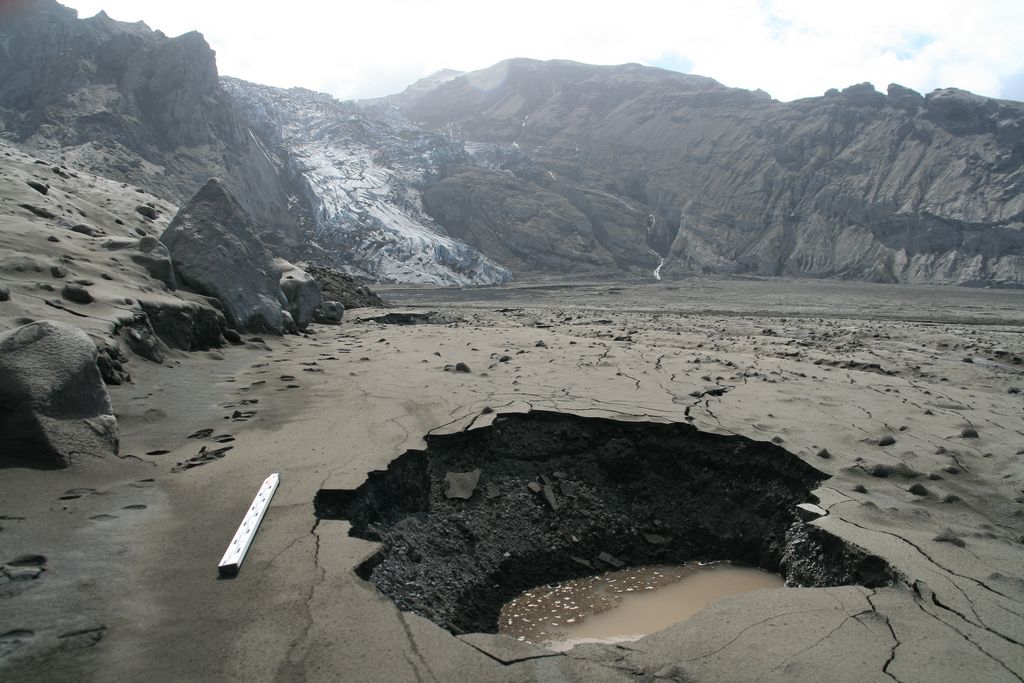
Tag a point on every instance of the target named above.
point(816, 643)
point(960, 633)
point(892, 632)
point(977, 619)
point(415, 648)
point(754, 625)
point(509, 662)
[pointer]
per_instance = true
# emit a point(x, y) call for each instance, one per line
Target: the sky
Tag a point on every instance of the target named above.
point(789, 48)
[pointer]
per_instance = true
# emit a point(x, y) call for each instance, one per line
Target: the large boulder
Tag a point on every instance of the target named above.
point(301, 290)
point(215, 251)
point(54, 408)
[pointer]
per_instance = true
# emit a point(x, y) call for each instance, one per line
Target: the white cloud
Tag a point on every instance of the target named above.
point(791, 48)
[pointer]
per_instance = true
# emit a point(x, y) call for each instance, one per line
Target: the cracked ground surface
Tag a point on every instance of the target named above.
point(827, 371)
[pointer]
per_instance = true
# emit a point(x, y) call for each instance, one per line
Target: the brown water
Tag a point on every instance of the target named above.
point(624, 605)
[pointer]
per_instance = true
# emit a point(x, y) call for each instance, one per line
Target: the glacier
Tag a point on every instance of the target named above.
point(358, 172)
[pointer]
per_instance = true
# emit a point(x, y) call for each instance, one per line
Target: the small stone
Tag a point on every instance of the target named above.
point(948, 536)
point(655, 539)
point(76, 293)
point(611, 560)
point(534, 486)
point(461, 484)
point(859, 488)
point(38, 187)
point(5, 293)
point(83, 229)
point(969, 433)
point(918, 490)
point(886, 440)
point(58, 271)
point(823, 453)
point(147, 211)
point(549, 496)
point(462, 367)
point(809, 511)
point(38, 210)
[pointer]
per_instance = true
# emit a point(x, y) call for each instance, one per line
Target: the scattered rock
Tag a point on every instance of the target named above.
point(969, 433)
point(76, 293)
point(147, 211)
point(38, 187)
point(947, 535)
point(87, 230)
point(918, 490)
point(882, 470)
point(461, 485)
point(54, 407)
point(809, 511)
point(610, 560)
point(886, 440)
point(823, 453)
point(329, 312)
point(5, 293)
point(38, 210)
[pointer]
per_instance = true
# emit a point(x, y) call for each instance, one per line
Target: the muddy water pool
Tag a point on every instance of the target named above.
point(624, 605)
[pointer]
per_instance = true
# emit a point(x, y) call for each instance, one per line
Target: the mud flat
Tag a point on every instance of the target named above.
point(906, 433)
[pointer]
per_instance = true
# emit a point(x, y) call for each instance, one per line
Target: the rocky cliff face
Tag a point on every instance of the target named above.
point(130, 103)
point(889, 187)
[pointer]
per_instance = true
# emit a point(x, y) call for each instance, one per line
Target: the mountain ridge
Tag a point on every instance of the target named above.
point(913, 188)
point(533, 166)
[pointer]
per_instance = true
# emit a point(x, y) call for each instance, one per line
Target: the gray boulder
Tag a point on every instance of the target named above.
point(215, 251)
point(301, 291)
point(330, 312)
point(54, 408)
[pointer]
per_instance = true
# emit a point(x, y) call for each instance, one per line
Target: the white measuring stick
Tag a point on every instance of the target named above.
point(232, 560)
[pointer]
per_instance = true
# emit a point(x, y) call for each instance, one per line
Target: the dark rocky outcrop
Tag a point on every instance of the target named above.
point(215, 250)
point(130, 103)
point(54, 409)
point(343, 288)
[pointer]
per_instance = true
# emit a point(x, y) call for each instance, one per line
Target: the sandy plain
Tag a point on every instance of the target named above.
point(130, 589)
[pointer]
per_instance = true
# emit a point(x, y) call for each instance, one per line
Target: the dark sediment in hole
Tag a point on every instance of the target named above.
point(561, 497)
